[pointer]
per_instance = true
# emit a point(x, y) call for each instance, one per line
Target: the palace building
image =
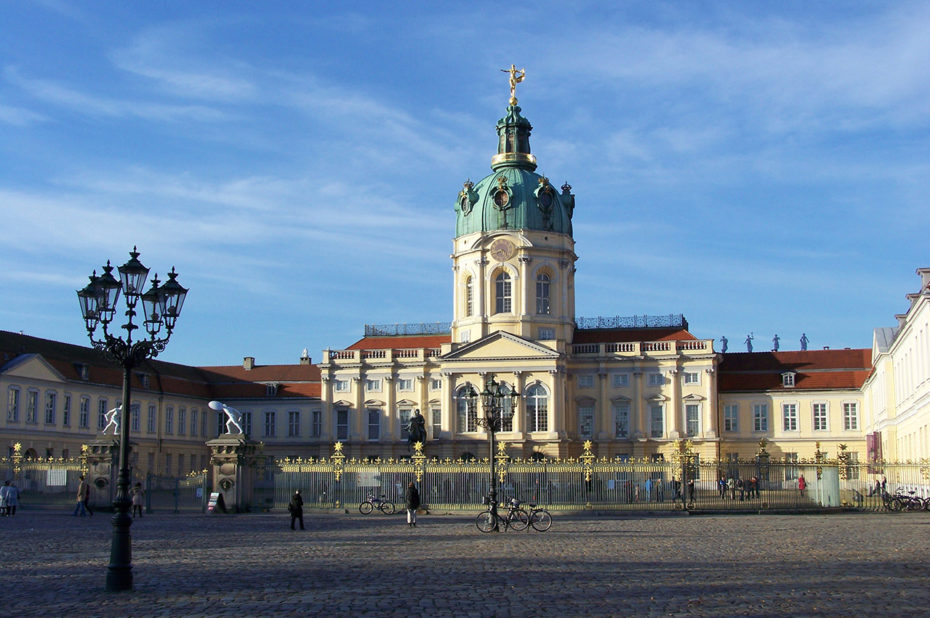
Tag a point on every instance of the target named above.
point(630, 386)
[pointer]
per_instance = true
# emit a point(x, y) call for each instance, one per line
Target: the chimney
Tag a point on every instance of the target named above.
point(305, 357)
point(248, 363)
point(924, 278)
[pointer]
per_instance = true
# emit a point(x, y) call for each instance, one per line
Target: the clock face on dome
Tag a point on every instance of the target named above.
point(502, 249)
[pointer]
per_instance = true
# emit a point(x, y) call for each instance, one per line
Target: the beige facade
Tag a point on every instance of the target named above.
point(897, 393)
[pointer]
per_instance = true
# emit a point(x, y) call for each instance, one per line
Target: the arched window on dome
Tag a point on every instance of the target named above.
point(469, 296)
point(503, 300)
point(543, 306)
point(466, 410)
point(537, 408)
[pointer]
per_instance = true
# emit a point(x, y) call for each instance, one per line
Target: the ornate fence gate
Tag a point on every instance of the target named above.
point(763, 483)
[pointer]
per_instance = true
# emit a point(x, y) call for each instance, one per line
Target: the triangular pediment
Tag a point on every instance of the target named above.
point(501, 345)
point(32, 367)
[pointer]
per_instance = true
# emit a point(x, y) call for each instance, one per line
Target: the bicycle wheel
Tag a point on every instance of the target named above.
point(387, 508)
point(364, 508)
point(519, 520)
point(485, 521)
point(541, 520)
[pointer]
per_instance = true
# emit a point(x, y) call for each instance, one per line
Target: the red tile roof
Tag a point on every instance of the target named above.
point(626, 335)
point(401, 342)
point(815, 369)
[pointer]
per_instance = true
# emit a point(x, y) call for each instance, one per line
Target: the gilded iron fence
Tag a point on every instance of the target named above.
point(686, 482)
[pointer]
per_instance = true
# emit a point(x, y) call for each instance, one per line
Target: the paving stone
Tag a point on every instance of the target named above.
point(253, 564)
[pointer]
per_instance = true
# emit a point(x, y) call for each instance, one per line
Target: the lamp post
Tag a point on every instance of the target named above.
point(498, 402)
point(161, 305)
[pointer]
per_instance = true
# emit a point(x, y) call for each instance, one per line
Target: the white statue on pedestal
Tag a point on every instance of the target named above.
point(112, 417)
point(233, 416)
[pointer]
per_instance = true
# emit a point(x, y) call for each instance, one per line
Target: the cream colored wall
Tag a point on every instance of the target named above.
point(745, 441)
point(901, 383)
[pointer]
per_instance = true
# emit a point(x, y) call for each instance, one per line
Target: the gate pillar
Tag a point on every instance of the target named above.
point(232, 458)
point(102, 457)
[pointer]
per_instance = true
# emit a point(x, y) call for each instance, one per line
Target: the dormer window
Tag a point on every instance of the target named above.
point(82, 370)
point(271, 389)
point(144, 380)
point(787, 379)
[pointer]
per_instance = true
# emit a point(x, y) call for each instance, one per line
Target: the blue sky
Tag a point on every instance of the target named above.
point(759, 167)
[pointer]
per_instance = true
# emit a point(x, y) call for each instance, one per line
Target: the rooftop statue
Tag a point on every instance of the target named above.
point(775, 341)
point(516, 76)
point(723, 344)
point(233, 416)
point(804, 341)
point(749, 339)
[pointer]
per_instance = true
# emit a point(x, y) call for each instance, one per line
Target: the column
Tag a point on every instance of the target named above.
point(674, 404)
point(710, 391)
point(326, 409)
point(602, 412)
point(636, 408)
point(392, 429)
point(558, 408)
point(448, 407)
point(356, 431)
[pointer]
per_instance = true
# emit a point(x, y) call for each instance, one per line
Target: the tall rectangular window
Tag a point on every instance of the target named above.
point(621, 420)
point(167, 464)
point(790, 415)
point(503, 298)
point(316, 423)
point(436, 414)
point(150, 419)
point(693, 419)
point(657, 420)
point(180, 464)
point(374, 424)
point(293, 423)
point(32, 407)
point(51, 403)
point(342, 424)
point(203, 424)
point(760, 417)
point(12, 409)
point(84, 413)
point(246, 422)
point(469, 297)
point(404, 415)
point(820, 416)
point(850, 416)
point(194, 414)
point(221, 423)
point(66, 411)
point(101, 414)
point(731, 418)
point(270, 429)
point(182, 420)
point(791, 466)
point(134, 413)
point(542, 294)
point(586, 421)
point(169, 420)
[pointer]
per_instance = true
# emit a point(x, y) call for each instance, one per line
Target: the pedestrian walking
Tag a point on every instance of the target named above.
point(802, 485)
point(12, 500)
point(137, 494)
point(81, 499)
point(731, 487)
point(296, 508)
point(690, 490)
point(412, 502)
point(4, 499)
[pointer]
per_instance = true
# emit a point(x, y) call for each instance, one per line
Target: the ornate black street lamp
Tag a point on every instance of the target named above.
point(499, 403)
point(161, 305)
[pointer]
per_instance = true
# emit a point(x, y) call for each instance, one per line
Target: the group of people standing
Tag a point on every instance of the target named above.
point(9, 499)
point(730, 486)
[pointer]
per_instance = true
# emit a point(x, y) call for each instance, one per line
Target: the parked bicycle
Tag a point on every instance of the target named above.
point(540, 519)
point(515, 517)
point(899, 501)
point(382, 504)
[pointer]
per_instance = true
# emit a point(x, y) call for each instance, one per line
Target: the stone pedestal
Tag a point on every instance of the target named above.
point(233, 459)
point(102, 457)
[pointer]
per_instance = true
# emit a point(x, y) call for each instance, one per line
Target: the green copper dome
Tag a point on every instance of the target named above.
point(513, 196)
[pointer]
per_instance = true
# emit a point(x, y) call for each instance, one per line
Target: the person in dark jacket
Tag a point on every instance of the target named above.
point(296, 507)
point(412, 502)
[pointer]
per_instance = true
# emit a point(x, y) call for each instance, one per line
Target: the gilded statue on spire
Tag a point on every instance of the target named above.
point(516, 76)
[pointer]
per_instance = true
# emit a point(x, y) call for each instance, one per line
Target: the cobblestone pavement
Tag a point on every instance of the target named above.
point(206, 565)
